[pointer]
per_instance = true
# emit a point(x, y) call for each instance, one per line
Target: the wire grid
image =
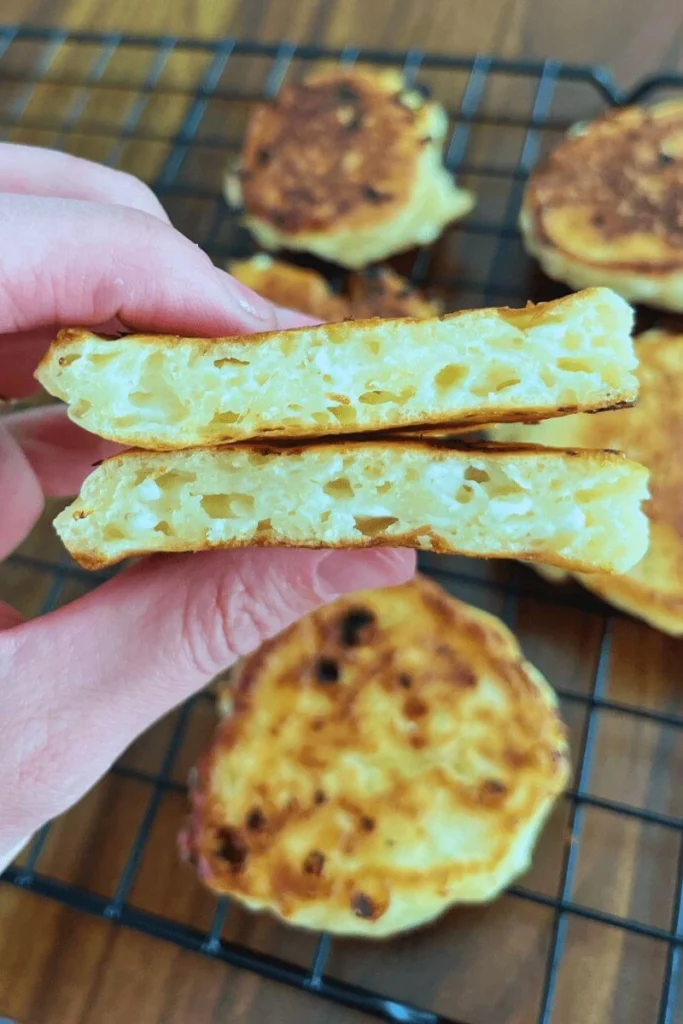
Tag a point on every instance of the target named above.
point(219, 233)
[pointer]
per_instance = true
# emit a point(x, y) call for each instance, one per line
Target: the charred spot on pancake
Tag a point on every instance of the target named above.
point(263, 157)
point(374, 196)
point(314, 863)
point(255, 819)
point(231, 848)
point(599, 220)
point(345, 94)
point(319, 797)
point(405, 681)
point(327, 670)
point(414, 708)
point(362, 905)
point(367, 823)
point(665, 159)
point(354, 627)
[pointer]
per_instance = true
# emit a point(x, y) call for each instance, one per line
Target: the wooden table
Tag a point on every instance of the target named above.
point(481, 965)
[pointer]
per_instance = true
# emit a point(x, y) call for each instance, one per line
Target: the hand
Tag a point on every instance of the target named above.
point(81, 244)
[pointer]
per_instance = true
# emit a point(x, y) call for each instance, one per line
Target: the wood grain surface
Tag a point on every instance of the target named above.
point(477, 965)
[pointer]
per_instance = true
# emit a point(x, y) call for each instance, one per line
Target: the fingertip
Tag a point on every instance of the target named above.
point(343, 572)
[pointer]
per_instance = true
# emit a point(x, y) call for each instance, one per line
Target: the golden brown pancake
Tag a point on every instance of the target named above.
point(348, 166)
point(465, 368)
point(293, 287)
point(651, 433)
point(377, 291)
point(578, 510)
point(606, 207)
point(380, 291)
point(384, 758)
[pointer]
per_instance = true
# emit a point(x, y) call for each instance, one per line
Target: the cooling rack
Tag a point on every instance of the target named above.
point(594, 931)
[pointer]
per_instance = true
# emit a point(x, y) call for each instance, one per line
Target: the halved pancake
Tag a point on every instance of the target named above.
point(606, 208)
point(651, 433)
point(483, 366)
point(291, 286)
point(386, 757)
point(347, 165)
point(578, 510)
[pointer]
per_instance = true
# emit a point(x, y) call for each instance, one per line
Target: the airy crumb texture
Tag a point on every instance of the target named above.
point(574, 509)
point(482, 366)
point(606, 207)
point(381, 760)
point(347, 165)
point(650, 433)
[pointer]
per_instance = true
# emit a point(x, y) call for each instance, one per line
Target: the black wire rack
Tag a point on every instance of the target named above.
point(173, 111)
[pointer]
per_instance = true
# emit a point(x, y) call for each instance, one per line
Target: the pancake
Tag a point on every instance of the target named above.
point(650, 433)
point(163, 392)
point(378, 291)
point(578, 510)
point(347, 165)
point(606, 208)
point(384, 758)
point(288, 285)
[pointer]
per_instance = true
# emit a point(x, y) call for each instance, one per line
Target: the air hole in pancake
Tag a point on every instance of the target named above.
point(227, 506)
point(464, 494)
point(377, 397)
point(373, 526)
point(111, 532)
point(450, 376)
point(163, 527)
point(574, 365)
point(174, 478)
point(479, 476)
point(384, 488)
point(345, 414)
point(230, 361)
point(68, 360)
point(339, 488)
point(81, 408)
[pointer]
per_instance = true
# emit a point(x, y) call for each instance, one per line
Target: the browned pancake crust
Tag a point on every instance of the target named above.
point(364, 664)
point(377, 291)
point(291, 286)
point(342, 147)
point(626, 171)
point(380, 291)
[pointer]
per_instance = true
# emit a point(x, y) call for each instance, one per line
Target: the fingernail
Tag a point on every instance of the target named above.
point(251, 304)
point(342, 572)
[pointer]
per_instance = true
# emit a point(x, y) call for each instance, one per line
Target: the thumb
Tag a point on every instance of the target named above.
point(96, 673)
